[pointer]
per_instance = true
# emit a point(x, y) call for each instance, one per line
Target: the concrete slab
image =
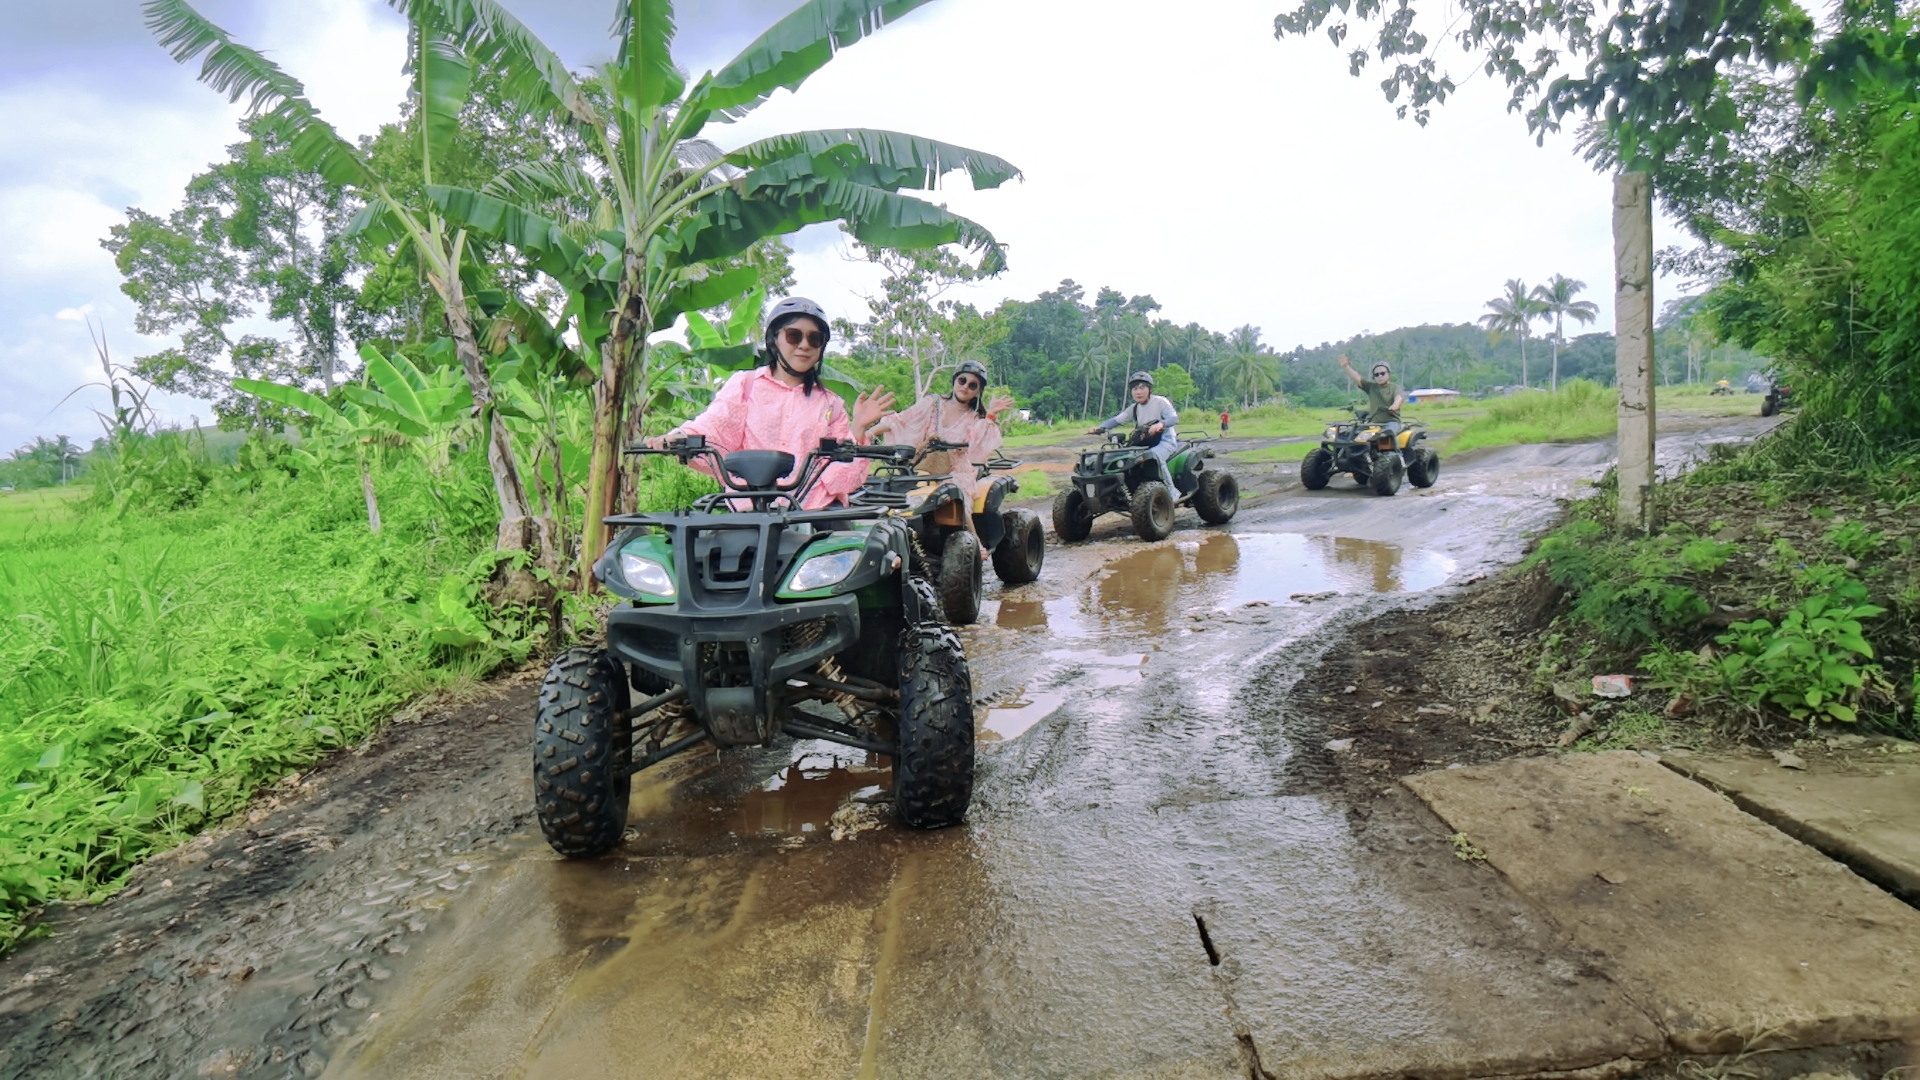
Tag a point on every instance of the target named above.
point(1729, 933)
point(1861, 808)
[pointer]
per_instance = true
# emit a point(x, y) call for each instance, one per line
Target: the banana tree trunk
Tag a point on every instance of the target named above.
point(622, 353)
point(518, 530)
point(373, 502)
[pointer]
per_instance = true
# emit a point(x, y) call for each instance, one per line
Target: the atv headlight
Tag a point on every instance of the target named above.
point(1331, 434)
point(824, 570)
point(645, 574)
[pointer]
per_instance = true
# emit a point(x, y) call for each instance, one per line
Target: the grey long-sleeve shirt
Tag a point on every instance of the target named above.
point(1156, 408)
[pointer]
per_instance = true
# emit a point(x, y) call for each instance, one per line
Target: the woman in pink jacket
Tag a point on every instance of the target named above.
point(782, 406)
point(961, 416)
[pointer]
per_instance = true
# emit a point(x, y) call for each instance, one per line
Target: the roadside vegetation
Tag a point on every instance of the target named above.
point(1578, 410)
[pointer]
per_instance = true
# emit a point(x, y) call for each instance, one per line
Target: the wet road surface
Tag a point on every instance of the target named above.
point(1147, 885)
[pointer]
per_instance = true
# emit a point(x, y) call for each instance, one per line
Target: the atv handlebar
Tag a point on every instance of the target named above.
point(765, 491)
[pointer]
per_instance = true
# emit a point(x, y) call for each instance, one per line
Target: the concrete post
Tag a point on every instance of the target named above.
point(1633, 342)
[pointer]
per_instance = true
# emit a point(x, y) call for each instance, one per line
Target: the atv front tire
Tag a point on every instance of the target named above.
point(1072, 522)
point(1152, 511)
point(933, 770)
point(1217, 498)
point(960, 579)
point(1023, 547)
point(582, 748)
point(1388, 474)
point(1424, 469)
point(1316, 469)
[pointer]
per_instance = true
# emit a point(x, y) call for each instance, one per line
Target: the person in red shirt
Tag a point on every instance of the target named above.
point(1224, 421)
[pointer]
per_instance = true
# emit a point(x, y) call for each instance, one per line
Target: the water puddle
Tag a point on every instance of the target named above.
point(1059, 616)
point(1011, 720)
point(798, 800)
point(1150, 589)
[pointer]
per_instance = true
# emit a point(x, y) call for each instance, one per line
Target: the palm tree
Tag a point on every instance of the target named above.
point(442, 76)
point(1242, 366)
point(1556, 298)
point(1087, 358)
point(674, 203)
point(1513, 314)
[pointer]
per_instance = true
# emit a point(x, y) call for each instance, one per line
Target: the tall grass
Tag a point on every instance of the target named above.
point(196, 630)
point(1578, 410)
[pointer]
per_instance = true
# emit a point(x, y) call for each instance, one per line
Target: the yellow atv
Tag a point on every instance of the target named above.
point(1379, 456)
point(944, 551)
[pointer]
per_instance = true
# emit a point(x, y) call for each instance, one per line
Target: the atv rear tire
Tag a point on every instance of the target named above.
point(1023, 547)
point(1152, 511)
point(1316, 469)
point(1388, 474)
point(582, 747)
point(1767, 407)
point(1217, 498)
point(1071, 521)
point(961, 579)
point(1424, 469)
point(933, 770)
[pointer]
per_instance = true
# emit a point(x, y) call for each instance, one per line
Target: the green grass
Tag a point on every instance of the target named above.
point(158, 666)
point(1578, 410)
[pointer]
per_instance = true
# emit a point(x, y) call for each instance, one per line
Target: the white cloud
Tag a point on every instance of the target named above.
point(74, 314)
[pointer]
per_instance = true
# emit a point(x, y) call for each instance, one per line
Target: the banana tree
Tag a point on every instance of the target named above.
point(408, 405)
point(441, 76)
point(675, 203)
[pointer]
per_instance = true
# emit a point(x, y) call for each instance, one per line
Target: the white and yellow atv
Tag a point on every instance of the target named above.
point(1379, 456)
point(950, 557)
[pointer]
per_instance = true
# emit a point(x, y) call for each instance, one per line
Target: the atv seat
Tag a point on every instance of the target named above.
point(758, 469)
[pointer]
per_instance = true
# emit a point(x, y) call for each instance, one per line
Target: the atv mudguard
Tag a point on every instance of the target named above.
point(986, 511)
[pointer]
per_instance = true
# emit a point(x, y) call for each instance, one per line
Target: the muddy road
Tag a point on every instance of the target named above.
point(1159, 876)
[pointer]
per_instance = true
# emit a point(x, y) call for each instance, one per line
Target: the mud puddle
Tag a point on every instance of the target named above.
point(1011, 720)
point(799, 798)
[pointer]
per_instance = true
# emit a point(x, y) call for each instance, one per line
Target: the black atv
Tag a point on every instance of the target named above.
point(1778, 400)
point(746, 617)
point(948, 553)
point(1379, 456)
point(1123, 477)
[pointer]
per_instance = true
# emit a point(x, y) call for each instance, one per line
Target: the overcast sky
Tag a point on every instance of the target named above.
point(1177, 150)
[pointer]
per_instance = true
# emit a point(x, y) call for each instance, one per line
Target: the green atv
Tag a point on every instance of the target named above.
point(1377, 456)
point(1123, 477)
point(745, 618)
point(948, 554)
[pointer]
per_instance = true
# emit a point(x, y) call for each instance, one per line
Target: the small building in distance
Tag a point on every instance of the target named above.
point(1415, 397)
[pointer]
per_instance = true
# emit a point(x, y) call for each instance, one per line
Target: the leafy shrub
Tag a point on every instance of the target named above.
point(1854, 540)
point(1809, 665)
point(1622, 589)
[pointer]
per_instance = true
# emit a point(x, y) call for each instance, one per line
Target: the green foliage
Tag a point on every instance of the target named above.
point(193, 630)
point(1622, 590)
point(1854, 540)
point(1578, 410)
point(1810, 665)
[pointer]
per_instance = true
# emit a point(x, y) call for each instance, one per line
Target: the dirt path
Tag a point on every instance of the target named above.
point(1165, 873)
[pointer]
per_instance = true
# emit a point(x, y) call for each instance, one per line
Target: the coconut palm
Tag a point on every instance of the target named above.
point(671, 204)
point(1242, 367)
point(441, 75)
point(1513, 314)
point(1556, 298)
point(1087, 359)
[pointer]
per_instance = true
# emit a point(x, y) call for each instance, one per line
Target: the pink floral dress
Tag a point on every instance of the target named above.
point(922, 423)
point(755, 411)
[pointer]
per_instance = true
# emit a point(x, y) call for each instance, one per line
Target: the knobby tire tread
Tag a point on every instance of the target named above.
point(582, 748)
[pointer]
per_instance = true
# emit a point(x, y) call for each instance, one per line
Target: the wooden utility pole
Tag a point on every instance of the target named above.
point(1633, 342)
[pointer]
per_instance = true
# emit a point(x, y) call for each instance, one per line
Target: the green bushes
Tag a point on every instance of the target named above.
point(196, 630)
point(1623, 590)
point(1809, 665)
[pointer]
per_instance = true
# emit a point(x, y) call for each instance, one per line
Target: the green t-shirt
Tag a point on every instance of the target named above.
point(1380, 400)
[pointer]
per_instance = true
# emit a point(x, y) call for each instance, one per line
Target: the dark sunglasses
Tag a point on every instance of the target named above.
point(793, 335)
point(1377, 372)
point(970, 383)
